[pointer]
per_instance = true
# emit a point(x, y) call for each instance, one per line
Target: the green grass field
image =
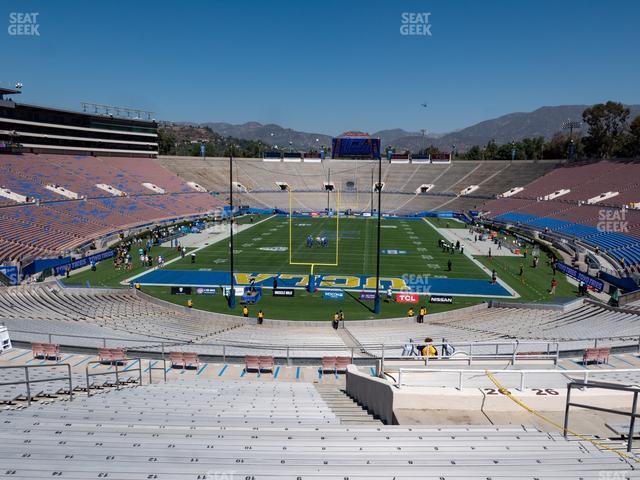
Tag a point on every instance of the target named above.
point(107, 276)
point(537, 281)
point(409, 246)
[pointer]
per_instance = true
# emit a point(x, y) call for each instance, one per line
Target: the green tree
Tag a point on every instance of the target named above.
point(532, 148)
point(607, 124)
point(474, 153)
point(166, 143)
point(634, 138)
point(556, 148)
point(491, 150)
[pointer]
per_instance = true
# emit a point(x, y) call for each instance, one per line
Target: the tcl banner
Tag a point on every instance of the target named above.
point(407, 297)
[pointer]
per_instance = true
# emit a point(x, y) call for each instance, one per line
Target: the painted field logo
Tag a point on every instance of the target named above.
point(24, 24)
point(273, 249)
point(415, 24)
point(393, 252)
point(610, 220)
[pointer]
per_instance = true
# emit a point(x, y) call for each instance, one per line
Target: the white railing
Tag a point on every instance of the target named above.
point(470, 352)
point(462, 373)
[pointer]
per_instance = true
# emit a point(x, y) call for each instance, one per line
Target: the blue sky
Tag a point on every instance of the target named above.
point(325, 66)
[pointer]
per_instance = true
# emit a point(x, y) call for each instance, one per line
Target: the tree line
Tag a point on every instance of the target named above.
point(187, 141)
point(609, 134)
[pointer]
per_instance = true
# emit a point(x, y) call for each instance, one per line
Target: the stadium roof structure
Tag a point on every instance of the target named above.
point(8, 91)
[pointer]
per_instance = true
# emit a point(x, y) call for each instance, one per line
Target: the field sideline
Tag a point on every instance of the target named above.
point(357, 256)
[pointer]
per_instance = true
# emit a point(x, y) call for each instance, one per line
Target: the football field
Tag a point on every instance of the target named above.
point(279, 245)
point(409, 247)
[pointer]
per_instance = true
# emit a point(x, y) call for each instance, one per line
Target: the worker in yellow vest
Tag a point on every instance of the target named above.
point(190, 303)
point(260, 317)
point(245, 311)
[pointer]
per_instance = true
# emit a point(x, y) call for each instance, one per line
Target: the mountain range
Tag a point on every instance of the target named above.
point(543, 122)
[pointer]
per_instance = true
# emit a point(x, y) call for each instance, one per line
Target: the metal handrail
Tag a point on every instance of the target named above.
point(163, 368)
point(28, 381)
point(606, 386)
point(116, 371)
point(523, 373)
point(366, 347)
point(240, 344)
point(551, 352)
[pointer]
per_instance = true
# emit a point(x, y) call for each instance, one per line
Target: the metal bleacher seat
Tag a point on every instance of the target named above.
point(266, 430)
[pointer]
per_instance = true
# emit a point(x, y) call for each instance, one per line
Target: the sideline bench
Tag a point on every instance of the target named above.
point(184, 360)
point(335, 364)
point(112, 356)
point(598, 355)
point(47, 351)
point(258, 364)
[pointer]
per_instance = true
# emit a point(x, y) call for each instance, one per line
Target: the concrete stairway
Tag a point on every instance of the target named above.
point(348, 411)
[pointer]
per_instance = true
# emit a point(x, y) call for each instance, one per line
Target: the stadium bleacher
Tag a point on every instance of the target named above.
point(253, 429)
point(401, 181)
point(83, 317)
point(57, 224)
point(612, 225)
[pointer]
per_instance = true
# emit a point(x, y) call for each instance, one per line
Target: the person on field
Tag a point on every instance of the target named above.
point(389, 295)
point(245, 311)
point(422, 311)
point(554, 284)
point(260, 317)
point(410, 312)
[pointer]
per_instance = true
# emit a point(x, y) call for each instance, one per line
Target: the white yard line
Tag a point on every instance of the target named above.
point(222, 236)
point(466, 253)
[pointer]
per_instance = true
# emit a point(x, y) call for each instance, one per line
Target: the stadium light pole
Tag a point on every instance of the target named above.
point(232, 293)
point(376, 301)
point(570, 125)
point(327, 188)
point(371, 209)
